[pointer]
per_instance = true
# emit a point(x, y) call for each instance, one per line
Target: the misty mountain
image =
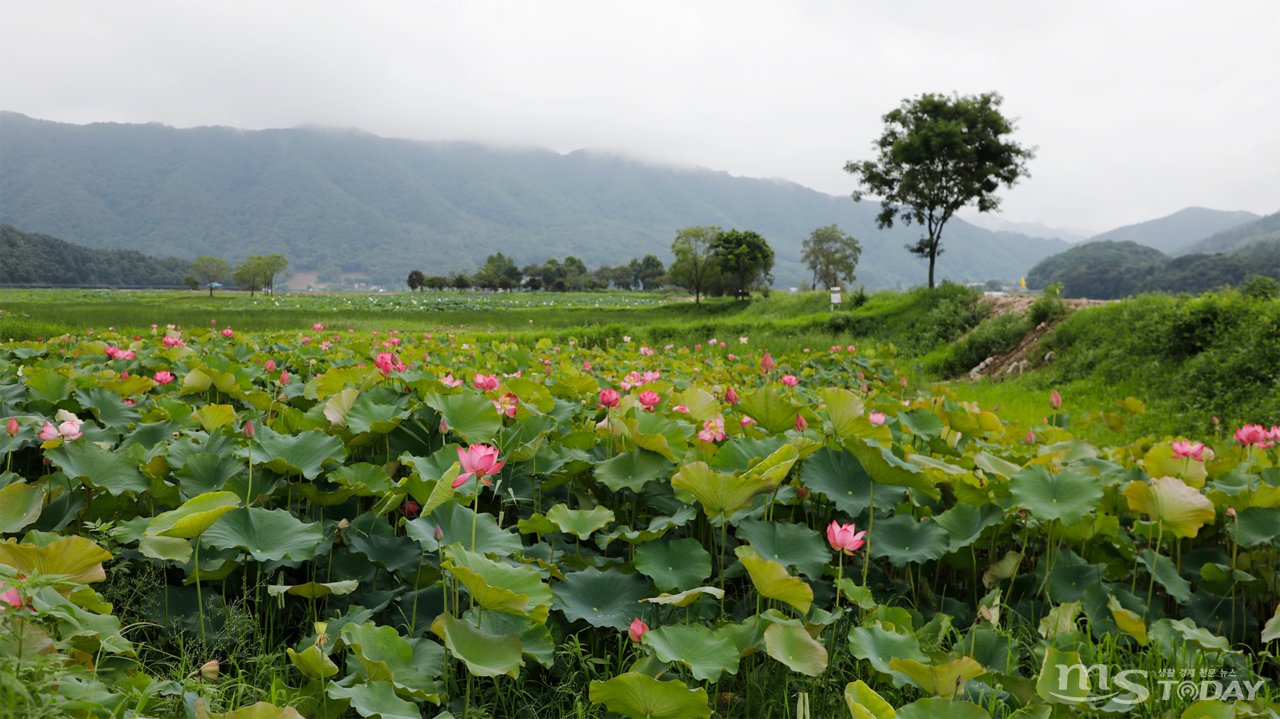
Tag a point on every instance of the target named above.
point(1236, 239)
point(347, 201)
point(1031, 229)
point(33, 259)
point(1182, 227)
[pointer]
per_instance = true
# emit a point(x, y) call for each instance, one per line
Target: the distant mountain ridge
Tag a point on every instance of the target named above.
point(1169, 233)
point(1236, 239)
point(34, 259)
point(995, 223)
point(349, 201)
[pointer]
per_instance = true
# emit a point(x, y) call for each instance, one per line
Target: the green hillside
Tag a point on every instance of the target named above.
point(1237, 238)
point(33, 259)
point(343, 200)
point(1169, 233)
point(1090, 254)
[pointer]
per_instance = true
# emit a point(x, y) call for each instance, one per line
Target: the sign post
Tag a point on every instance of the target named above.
point(835, 298)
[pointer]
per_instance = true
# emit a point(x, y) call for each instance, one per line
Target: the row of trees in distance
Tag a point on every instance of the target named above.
point(254, 273)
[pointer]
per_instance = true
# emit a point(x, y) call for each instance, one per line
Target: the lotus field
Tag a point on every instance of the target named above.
point(208, 523)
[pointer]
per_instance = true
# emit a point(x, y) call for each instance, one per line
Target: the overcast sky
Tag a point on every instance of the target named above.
point(1138, 109)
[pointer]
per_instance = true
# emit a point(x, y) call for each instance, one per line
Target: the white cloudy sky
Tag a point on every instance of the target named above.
point(1138, 108)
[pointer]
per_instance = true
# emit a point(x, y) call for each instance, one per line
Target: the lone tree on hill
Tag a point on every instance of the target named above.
point(937, 155)
point(746, 257)
point(416, 280)
point(695, 265)
point(209, 270)
point(831, 254)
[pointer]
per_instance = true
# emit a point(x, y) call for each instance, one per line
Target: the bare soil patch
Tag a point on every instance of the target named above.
point(1027, 355)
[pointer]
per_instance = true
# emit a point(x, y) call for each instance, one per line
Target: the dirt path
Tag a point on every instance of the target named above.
point(1027, 354)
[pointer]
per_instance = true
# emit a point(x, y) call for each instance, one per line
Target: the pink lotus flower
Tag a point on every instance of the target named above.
point(174, 342)
point(1185, 448)
point(730, 396)
point(649, 399)
point(48, 432)
point(636, 630)
point(766, 363)
point(842, 538)
point(507, 404)
point(1055, 399)
point(227, 333)
point(646, 351)
point(386, 362)
point(681, 409)
point(608, 398)
point(747, 422)
point(213, 322)
point(1253, 434)
point(163, 377)
point(480, 460)
point(485, 382)
point(410, 508)
point(712, 430)
point(586, 365)
point(801, 423)
point(449, 381)
point(876, 417)
point(66, 431)
point(270, 365)
point(851, 348)
point(317, 327)
point(11, 599)
point(790, 380)
point(651, 376)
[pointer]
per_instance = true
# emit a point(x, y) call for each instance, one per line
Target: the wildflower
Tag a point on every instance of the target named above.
point(842, 538)
point(507, 404)
point(1185, 448)
point(649, 399)
point(790, 380)
point(480, 460)
point(1055, 399)
point(712, 430)
point(876, 418)
point(163, 377)
point(608, 398)
point(730, 396)
point(637, 630)
point(485, 382)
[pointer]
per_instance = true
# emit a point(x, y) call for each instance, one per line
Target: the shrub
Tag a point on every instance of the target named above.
point(1047, 307)
point(989, 339)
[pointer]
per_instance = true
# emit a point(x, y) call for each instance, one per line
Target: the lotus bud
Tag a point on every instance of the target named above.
point(730, 396)
point(444, 427)
point(802, 492)
point(210, 669)
point(248, 429)
point(766, 363)
point(1055, 399)
point(343, 525)
point(12, 427)
point(1031, 437)
point(637, 630)
point(801, 424)
point(284, 377)
point(1231, 512)
point(438, 533)
point(271, 365)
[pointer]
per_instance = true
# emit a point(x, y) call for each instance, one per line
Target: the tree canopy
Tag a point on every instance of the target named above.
point(746, 258)
point(937, 155)
point(695, 267)
point(209, 270)
point(831, 255)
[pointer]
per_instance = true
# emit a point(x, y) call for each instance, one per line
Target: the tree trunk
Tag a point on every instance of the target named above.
point(933, 258)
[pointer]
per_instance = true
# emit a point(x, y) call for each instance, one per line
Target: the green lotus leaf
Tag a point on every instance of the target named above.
point(433, 493)
point(313, 663)
point(878, 645)
point(697, 647)
point(673, 565)
point(486, 655)
point(719, 494)
point(922, 423)
point(76, 557)
point(994, 465)
point(47, 385)
point(305, 453)
point(1175, 633)
point(385, 656)
point(632, 470)
point(769, 410)
point(455, 522)
point(640, 696)
point(314, 590)
point(172, 549)
point(535, 638)
point(1180, 509)
point(601, 599)
point(375, 699)
point(987, 648)
point(537, 524)
point(335, 378)
point(1062, 678)
point(1207, 709)
point(1255, 525)
point(737, 455)
point(367, 415)
point(207, 472)
point(844, 408)
point(580, 522)
point(787, 544)
point(20, 505)
point(1271, 631)
point(684, 599)
point(883, 466)
point(1067, 496)
point(772, 581)
point(702, 406)
point(795, 648)
point(194, 517)
point(468, 415)
point(366, 479)
point(267, 535)
point(864, 703)
point(839, 477)
point(98, 467)
point(499, 586)
point(336, 408)
point(109, 408)
point(1071, 576)
point(905, 541)
point(393, 553)
point(130, 386)
point(965, 522)
point(942, 680)
point(775, 467)
point(1128, 621)
point(261, 710)
point(213, 416)
point(939, 708)
point(1163, 571)
point(1160, 461)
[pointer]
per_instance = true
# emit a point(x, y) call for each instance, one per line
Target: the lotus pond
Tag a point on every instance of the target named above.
point(211, 523)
